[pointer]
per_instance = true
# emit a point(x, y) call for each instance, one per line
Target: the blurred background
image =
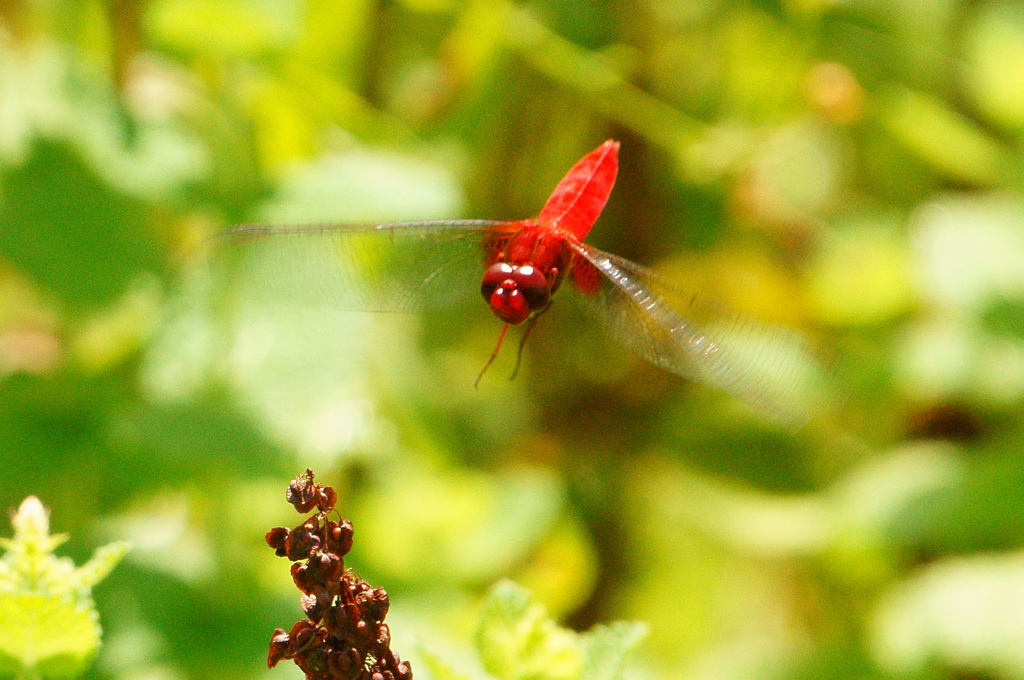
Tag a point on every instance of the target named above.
point(851, 168)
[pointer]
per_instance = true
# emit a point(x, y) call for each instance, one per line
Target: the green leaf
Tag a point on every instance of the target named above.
point(364, 185)
point(1005, 317)
point(223, 27)
point(960, 613)
point(472, 527)
point(67, 228)
point(861, 273)
point(995, 62)
point(48, 633)
point(606, 648)
point(517, 641)
point(440, 668)
point(946, 140)
point(49, 626)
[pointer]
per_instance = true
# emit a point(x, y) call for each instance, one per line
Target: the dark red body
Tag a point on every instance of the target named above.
point(529, 266)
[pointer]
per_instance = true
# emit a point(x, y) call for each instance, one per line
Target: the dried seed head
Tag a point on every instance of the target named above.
point(338, 537)
point(339, 665)
point(312, 606)
point(383, 635)
point(303, 493)
point(328, 498)
point(343, 636)
point(299, 571)
point(277, 539)
point(301, 542)
point(303, 634)
point(279, 645)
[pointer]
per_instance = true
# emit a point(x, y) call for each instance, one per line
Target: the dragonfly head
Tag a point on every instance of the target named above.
point(515, 291)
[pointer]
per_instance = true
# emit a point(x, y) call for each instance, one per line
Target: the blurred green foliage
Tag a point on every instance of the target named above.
point(851, 169)
point(48, 621)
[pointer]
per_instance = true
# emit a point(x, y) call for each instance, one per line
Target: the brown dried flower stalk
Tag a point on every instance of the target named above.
point(343, 636)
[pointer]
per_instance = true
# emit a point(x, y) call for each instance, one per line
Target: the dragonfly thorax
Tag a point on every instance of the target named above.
point(515, 291)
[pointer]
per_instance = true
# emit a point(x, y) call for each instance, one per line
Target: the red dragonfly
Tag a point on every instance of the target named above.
point(407, 266)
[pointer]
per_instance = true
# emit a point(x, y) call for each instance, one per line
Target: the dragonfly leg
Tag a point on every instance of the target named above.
point(494, 355)
point(522, 341)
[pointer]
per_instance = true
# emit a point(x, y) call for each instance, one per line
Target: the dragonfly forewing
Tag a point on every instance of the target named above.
point(769, 367)
point(403, 267)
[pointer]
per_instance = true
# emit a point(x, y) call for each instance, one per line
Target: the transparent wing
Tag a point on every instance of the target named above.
point(769, 367)
point(402, 267)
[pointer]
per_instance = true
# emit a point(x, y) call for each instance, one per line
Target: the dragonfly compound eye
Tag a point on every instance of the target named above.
point(534, 286)
point(496, 275)
point(509, 304)
point(502, 290)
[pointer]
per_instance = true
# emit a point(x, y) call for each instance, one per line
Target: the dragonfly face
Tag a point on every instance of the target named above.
point(515, 291)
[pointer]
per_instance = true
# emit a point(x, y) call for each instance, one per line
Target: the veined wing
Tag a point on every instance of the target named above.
point(399, 267)
point(769, 367)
